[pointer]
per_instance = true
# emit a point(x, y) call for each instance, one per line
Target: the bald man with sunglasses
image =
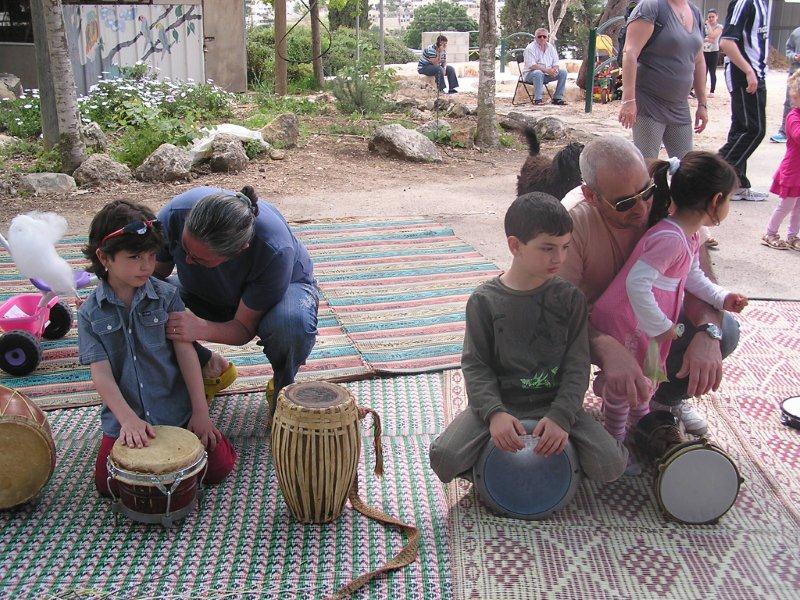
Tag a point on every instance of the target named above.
point(610, 212)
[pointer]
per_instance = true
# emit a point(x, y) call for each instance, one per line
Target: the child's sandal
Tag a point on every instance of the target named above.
point(773, 240)
point(794, 243)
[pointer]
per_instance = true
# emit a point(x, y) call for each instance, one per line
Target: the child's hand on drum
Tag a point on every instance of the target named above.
point(204, 429)
point(506, 431)
point(735, 303)
point(552, 439)
point(135, 433)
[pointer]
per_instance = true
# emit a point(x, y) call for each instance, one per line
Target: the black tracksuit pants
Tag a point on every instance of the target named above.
point(748, 122)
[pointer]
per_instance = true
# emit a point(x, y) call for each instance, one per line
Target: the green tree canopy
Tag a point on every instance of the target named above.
point(342, 13)
point(439, 16)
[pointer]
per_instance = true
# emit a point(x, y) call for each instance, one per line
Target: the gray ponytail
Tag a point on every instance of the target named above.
point(224, 222)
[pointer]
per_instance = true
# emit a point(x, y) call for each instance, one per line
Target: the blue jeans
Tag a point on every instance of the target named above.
point(538, 79)
point(673, 392)
point(437, 71)
point(287, 332)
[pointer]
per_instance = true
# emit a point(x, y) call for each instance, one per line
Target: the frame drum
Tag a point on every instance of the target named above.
point(523, 484)
point(790, 412)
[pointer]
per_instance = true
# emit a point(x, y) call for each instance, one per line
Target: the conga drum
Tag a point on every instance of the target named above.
point(316, 444)
point(27, 451)
point(160, 482)
point(696, 481)
point(523, 484)
point(790, 412)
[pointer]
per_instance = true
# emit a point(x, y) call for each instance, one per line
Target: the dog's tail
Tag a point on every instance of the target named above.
point(533, 141)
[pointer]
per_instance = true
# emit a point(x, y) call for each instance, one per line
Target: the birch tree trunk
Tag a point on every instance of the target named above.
point(316, 44)
point(553, 21)
point(487, 136)
point(59, 100)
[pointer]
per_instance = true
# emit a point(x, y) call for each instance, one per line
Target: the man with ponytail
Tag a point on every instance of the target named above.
point(242, 273)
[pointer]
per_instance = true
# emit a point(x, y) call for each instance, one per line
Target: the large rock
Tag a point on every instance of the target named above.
point(407, 144)
point(463, 136)
point(93, 137)
point(7, 140)
point(416, 113)
point(7, 188)
point(227, 154)
point(100, 169)
point(432, 129)
point(282, 132)
point(10, 86)
point(457, 110)
point(47, 183)
point(167, 163)
point(550, 128)
point(518, 120)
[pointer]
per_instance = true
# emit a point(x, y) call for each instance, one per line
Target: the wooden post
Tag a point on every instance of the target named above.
point(383, 45)
point(281, 77)
point(316, 44)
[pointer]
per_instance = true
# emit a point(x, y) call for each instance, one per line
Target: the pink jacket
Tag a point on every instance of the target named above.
point(786, 182)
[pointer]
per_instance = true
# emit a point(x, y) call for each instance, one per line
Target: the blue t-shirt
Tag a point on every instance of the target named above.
point(259, 275)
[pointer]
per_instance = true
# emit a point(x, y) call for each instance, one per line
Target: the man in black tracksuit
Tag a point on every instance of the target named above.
point(744, 42)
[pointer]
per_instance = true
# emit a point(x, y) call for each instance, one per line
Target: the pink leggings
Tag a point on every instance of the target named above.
point(618, 414)
point(787, 206)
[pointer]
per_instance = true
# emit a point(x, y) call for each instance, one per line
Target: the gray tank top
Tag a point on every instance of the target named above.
point(666, 66)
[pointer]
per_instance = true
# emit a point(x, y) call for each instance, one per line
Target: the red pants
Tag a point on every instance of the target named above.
point(221, 461)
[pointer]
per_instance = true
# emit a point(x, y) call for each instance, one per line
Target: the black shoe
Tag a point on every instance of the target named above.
point(538, 102)
point(559, 101)
point(453, 92)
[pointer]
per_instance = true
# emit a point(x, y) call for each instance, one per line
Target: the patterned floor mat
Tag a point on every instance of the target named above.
point(241, 543)
point(612, 542)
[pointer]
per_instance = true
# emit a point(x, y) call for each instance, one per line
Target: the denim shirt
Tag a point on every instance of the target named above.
point(142, 359)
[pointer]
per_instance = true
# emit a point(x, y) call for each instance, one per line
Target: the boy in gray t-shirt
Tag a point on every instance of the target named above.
point(526, 355)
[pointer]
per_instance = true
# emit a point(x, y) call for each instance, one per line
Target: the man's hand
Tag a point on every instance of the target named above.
point(552, 439)
point(735, 303)
point(135, 433)
point(506, 430)
point(702, 362)
point(203, 428)
point(623, 377)
point(185, 326)
point(752, 82)
point(700, 119)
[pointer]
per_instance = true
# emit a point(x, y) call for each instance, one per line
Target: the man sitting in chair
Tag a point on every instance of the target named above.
point(541, 67)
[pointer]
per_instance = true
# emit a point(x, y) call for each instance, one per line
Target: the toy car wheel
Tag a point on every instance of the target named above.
point(20, 352)
point(59, 323)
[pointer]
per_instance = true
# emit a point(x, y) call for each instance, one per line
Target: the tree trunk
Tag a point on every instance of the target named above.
point(555, 22)
point(61, 124)
point(487, 40)
point(614, 8)
point(281, 73)
point(316, 44)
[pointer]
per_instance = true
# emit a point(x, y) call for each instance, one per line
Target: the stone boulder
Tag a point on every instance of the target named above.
point(7, 140)
point(47, 183)
point(431, 128)
point(550, 128)
point(93, 137)
point(227, 154)
point(442, 104)
point(282, 132)
point(10, 86)
point(518, 120)
point(457, 110)
point(416, 113)
point(100, 169)
point(406, 103)
point(463, 136)
point(276, 154)
point(407, 144)
point(167, 163)
point(7, 188)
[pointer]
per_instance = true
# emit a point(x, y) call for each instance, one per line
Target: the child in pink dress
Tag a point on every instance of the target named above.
point(643, 303)
point(786, 182)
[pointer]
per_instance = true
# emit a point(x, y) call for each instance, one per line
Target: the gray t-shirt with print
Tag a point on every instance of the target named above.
point(666, 66)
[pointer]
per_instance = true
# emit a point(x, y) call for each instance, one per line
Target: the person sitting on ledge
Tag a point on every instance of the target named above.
point(541, 67)
point(434, 64)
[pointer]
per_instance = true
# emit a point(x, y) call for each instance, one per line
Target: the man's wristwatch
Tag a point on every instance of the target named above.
point(713, 331)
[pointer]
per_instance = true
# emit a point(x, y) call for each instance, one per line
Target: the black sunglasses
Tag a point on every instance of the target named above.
point(135, 227)
point(625, 204)
point(543, 36)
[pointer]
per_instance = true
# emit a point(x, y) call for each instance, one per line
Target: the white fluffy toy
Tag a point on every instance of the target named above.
point(31, 241)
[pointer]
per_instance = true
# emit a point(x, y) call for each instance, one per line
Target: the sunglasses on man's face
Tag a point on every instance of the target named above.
point(542, 36)
point(625, 204)
point(133, 228)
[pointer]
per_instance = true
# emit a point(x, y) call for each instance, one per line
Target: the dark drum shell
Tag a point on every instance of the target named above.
point(790, 412)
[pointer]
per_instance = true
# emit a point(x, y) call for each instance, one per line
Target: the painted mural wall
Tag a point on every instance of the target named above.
point(102, 39)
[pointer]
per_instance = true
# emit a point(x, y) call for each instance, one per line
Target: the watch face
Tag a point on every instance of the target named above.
point(714, 331)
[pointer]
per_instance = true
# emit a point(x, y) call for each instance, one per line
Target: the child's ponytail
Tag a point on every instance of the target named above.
point(661, 195)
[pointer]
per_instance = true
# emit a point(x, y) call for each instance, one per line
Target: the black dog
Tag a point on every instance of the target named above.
point(555, 176)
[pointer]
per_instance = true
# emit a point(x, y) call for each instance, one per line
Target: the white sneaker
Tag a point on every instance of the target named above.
point(693, 421)
point(749, 195)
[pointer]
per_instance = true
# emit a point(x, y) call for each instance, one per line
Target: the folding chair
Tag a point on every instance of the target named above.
point(517, 54)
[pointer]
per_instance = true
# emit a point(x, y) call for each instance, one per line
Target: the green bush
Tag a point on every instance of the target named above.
point(136, 144)
point(363, 93)
point(21, 117)
point(254, 148)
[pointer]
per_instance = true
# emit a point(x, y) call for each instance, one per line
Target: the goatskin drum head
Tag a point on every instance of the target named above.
point(697, 485)
point(526, 485)
point(173, 449)
point(25, 462)
point(790, 412)
point(315, 394)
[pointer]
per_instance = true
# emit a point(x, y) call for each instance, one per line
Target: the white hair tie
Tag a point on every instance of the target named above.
point(674, 164)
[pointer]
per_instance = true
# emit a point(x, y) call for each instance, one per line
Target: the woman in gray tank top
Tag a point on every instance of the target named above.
point(662, 61)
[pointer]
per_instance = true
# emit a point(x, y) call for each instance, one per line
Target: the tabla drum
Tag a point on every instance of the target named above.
point(696, 481)
point(27, 451)
point(523, 484)
point(790, 412)
point(159, 483)
point(316, 445)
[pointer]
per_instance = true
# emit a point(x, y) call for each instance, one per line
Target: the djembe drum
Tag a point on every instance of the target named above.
point(790, 412)
point(523, 484)
point(696, 482)
point(27, 451)
point(160, 482)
